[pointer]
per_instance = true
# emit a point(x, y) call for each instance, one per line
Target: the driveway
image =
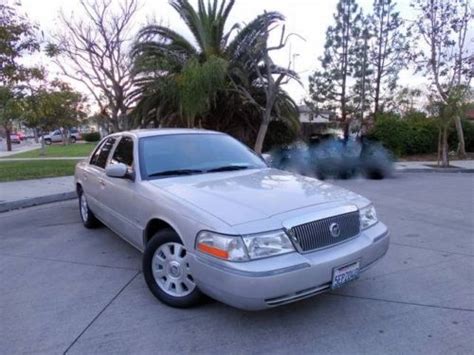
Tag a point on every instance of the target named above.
point(67, 289)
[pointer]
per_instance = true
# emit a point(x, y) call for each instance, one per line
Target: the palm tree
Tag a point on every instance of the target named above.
point(180, 79)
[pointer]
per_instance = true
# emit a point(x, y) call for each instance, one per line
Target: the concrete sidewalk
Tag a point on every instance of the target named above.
point(18, 148)
point(27, 193)
point(430, 166)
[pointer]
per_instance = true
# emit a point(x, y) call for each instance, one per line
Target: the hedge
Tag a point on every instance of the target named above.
point(468, 129)
point(91, 137)
point(417, 134)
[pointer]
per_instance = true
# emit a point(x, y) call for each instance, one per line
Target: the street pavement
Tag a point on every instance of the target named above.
point(68, 289)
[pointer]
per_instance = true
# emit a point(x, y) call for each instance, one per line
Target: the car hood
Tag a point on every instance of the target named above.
point(245, 196)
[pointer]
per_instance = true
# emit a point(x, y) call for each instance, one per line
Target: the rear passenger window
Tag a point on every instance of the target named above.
point(101, 154)
point(124, 152)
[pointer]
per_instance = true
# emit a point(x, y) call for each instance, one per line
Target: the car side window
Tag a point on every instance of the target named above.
point(124, 152)
point(101, 154)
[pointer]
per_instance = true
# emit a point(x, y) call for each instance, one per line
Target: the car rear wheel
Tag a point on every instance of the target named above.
point(167, 271)
point(73, 139)
point(87, 217)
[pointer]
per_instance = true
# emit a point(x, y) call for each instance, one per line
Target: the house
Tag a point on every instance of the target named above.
point(315, 123)
point(470, 115)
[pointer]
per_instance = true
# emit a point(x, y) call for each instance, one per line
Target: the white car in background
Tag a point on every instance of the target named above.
point(56, 136)
point(212, 218)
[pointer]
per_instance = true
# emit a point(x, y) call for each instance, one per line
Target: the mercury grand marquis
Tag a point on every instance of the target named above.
point(211, 218)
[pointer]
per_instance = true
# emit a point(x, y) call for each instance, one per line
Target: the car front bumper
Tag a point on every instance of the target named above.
point(270, 282)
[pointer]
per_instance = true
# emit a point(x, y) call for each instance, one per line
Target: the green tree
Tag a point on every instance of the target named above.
point(388, 52)
point(17, 39)
point(404, 101)
point(445, 111)
point(180, 80)
point(55, 106)
point(443, 54)
point(330, 86)
point(91, 47)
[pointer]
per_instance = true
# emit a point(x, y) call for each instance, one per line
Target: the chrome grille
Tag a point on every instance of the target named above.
point(316, 234)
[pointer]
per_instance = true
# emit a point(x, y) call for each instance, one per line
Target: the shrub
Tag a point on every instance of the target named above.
point(468, 129)
point(391, 131)
point(414, 134)
point(91, 137)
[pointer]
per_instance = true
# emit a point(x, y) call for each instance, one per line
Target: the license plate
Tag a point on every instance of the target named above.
point(344, 274)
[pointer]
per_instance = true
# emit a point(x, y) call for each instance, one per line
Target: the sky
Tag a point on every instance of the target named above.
point(308, 18)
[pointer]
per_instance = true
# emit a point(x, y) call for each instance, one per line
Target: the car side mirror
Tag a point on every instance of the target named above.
point(118, 170)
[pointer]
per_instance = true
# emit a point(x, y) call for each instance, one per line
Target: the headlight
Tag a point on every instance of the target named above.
point(227, 247)
point(368, 217)
point(267, 244)
point(237, 248)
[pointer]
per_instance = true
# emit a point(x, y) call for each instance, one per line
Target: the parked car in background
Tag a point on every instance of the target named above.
point(56, 136)
point(74, 132)
point(212, 218)
point(14, 138)
point(21, 135)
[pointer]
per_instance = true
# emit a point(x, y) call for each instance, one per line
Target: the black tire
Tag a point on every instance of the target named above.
point(47, 141)
point(166, 236)
point(73, 139)
point(89, 220)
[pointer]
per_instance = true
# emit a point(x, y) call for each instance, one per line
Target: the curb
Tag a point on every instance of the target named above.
point(437, 170)
point(36, 201)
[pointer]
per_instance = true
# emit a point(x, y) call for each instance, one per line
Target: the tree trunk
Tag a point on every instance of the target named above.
point(439, 147)
point(346, 130)
point(9, 141)
point(42, 152)
point(35, 134)
point(461, 151)
point(262, 131)
point(445, 148)
point(378, 70)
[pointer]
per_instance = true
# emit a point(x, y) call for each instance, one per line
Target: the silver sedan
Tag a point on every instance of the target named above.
point(213, 219)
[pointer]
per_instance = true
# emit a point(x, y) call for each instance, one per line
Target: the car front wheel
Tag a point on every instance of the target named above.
point(73, 139)
point(47, 141)
point(167, 271)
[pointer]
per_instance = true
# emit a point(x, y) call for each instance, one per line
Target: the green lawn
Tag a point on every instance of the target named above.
point(35, 169)
point(59, 150)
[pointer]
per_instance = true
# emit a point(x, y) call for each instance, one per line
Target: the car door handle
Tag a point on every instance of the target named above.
point(102, 182)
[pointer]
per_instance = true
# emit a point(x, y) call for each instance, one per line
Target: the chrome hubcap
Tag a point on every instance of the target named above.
point(171, 270)
point(84, 209)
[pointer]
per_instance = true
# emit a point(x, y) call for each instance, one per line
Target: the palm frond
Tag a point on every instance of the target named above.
point(242, 47)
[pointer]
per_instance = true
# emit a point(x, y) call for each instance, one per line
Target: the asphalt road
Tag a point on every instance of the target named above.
point(65, 288)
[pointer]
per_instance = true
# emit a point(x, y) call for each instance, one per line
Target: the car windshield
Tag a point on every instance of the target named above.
point(186, 154)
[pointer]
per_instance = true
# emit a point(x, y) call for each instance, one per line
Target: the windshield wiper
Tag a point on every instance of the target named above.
point(176, 172)
point(228, 168)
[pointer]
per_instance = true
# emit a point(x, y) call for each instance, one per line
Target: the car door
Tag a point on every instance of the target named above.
point(94, 177)
point(119, 194)
point(56, 136)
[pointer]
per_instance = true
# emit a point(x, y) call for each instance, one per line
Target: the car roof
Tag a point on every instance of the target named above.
point(139, 133)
